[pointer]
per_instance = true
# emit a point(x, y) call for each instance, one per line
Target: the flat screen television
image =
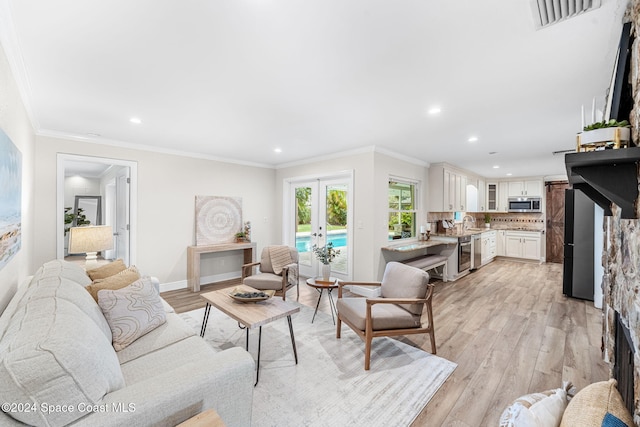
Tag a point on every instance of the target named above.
point(620, 95)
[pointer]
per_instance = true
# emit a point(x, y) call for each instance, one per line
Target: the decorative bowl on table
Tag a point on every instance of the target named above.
point(241, 295)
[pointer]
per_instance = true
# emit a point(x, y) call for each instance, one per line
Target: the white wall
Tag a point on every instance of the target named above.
point(167, 186)
point(16, 124)
point(79, 186)
point(371, 177)
point(384, 167)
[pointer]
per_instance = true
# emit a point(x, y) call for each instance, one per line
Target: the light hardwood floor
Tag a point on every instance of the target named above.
point(506, 325)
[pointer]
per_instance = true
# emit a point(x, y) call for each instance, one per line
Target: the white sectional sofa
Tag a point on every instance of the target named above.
point(58, 366)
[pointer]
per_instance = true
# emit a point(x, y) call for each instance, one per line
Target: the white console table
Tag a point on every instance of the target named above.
point(193, 258)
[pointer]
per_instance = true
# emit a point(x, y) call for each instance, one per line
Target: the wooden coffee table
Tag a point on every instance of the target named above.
point(250, 315)
point(320, 286)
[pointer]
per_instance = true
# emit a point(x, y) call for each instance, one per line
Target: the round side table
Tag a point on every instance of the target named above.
point(321, 285)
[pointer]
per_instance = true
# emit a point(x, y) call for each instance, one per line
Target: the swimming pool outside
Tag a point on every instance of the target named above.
point(303, 241)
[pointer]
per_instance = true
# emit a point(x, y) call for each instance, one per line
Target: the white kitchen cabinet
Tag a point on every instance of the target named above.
point(503, 196)
point(488, 251)
point(460, 200)
point(523, 244)
point(447, 189)
point(530, 188)
point(500, 242)
point(482, 199)
point(492, 196)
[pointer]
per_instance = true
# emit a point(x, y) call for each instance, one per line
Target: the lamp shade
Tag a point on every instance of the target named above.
point(92, 238)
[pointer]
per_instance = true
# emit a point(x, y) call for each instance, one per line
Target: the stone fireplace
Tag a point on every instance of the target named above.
point(621, 261)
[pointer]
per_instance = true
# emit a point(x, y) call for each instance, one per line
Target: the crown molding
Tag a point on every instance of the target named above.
point(144, 147)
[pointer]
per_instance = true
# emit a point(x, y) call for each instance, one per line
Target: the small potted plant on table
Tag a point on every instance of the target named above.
point(325, 255)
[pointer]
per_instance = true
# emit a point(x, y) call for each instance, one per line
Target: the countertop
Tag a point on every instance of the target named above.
point(408, 247)
point(445, 239)
point(473, 231)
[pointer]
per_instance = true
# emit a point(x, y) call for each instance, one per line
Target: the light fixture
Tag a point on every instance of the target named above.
point(277, 150)
point(135, 120)
point(473, 139)
point(496, 167)
point(90, 240)
point(434, 110)
point(509, 174)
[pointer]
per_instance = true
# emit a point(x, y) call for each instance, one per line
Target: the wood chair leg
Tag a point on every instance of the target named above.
point(338, 327)
point(433, 340)
point(367, 353)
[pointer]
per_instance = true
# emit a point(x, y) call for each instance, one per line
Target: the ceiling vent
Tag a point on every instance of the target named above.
point(547, 12)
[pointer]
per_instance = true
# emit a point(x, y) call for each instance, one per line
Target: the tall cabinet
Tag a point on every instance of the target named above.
point(447, 189)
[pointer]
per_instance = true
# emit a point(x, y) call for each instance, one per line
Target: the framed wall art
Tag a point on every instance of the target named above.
point(10, 199)
point(218, 219)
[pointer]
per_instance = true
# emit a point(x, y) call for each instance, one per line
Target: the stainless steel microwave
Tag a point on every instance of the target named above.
point(525, 204)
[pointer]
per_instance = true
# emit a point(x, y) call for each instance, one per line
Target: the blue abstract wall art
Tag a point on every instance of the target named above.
point(10, 199)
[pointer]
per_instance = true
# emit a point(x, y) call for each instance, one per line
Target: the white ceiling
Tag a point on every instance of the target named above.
point(235, 79)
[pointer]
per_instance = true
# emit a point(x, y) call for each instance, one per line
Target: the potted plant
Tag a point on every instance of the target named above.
point(241, 237)
point(325, 254)
point(604, 133)
point(487, 220)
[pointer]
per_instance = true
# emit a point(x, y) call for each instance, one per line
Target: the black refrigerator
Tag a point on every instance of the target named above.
point(577, 278)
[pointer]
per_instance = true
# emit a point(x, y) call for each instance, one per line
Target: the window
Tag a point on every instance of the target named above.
point(402, 209)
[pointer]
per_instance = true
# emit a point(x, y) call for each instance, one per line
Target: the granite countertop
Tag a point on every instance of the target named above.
point(408, 247)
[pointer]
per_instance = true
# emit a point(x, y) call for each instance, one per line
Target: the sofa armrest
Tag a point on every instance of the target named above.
point(224, 382)
point(156, 283)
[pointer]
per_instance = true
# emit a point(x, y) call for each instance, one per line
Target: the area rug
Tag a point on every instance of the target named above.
point(329, 386)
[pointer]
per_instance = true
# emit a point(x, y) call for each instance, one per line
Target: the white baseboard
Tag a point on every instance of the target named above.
point(182, 284)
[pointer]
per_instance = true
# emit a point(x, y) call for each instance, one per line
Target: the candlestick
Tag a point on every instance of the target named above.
point(428, 226)
point(593, 110)
point(422, 229)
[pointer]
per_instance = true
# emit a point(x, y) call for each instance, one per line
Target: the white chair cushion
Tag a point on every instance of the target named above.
point(403, 281)
point(385, 316)
point(263, 281)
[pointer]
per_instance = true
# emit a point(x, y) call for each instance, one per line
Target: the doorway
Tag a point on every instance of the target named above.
point(555, 220)
point(319, 212)
point(114, 182)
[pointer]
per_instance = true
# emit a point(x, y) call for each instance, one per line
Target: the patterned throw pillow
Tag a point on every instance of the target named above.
point(117, 281)
point(132, 311)
point(538, 409)
point(107, 270)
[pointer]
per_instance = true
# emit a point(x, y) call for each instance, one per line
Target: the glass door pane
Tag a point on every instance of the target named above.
point(305, 220)
point(336, 225)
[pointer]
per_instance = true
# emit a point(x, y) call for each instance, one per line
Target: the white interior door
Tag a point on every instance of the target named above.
point(322, 214)
point(121, 226)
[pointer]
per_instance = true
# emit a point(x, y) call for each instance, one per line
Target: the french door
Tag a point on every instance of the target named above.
point(319, 214)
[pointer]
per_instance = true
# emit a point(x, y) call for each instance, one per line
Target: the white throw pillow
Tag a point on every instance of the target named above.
point(132, 311)
point(538, 409)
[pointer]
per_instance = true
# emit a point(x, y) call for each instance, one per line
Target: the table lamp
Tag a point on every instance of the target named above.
point(90, 240)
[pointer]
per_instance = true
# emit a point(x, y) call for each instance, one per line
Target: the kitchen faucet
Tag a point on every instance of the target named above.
point(464, 221)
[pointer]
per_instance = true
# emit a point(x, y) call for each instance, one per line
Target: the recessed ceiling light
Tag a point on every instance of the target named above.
point(509, 174)
point(434, 110)
point(277, 150)
point(135, 120)
point(473, 139)
point(496, 167)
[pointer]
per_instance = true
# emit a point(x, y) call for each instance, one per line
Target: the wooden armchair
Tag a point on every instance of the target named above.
point(405, 293)
point(278, 270)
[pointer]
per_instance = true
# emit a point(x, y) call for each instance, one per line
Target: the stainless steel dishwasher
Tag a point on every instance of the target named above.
point(476, 245)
